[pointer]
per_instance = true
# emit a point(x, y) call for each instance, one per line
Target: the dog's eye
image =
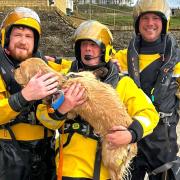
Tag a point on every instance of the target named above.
point(72, 75)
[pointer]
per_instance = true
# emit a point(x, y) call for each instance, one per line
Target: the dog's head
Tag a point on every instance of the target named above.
point(30, 67)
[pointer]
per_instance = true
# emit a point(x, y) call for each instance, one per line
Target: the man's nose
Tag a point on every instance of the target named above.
point(23, 40)
point(150, 21)
point(88, 47)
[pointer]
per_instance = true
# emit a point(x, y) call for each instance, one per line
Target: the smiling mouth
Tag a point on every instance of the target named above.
point(23, 49)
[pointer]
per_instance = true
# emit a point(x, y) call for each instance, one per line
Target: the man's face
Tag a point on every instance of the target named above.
point(150, 27)
point(91, 49)
point(21, 43)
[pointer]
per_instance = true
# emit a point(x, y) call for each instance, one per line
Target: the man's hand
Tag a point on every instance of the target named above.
point(118, 136)
point(73, 96)
point(40, 86)
point(50, 58)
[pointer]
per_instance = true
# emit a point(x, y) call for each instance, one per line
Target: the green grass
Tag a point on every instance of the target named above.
point(114, 14)
point(175, 22)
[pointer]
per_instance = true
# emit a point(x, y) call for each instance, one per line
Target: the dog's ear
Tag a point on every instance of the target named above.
point(19, 77)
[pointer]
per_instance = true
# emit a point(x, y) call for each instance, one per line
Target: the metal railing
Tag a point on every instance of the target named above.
point(115, 18)
point(109, 16)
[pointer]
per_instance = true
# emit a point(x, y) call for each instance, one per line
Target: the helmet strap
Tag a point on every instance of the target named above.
point(2, 37)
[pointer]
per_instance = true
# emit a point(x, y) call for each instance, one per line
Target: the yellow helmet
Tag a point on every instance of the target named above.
point(23, 17)
point(97, 32)
point(159, 7)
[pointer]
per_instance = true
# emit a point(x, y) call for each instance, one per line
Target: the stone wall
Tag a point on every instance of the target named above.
point(57, 33)
point(121, 38)
point(28, 3)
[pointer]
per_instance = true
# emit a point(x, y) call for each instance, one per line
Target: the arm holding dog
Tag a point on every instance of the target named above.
point(37, 88)
point(144, 115)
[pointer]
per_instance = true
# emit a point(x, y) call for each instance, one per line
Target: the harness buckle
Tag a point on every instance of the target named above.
point(163, 114)
point(164, 117)
point(81, 128)
point(75, 126)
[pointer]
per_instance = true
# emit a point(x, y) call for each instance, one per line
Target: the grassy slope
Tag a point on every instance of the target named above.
point(114, 14)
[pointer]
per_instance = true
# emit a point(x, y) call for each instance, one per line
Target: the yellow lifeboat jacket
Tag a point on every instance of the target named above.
point(79, 150)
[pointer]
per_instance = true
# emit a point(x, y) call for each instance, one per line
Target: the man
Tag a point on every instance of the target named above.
point(25, 145)
point(93, 50)
point(152, 60)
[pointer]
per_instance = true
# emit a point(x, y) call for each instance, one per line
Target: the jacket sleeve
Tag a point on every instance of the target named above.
point(139, 107)
point(176, 74)
point(49, 121)
point(6, 111)
point(121, 57)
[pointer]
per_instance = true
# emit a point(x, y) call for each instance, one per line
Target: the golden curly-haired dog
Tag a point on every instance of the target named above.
point(103, 110)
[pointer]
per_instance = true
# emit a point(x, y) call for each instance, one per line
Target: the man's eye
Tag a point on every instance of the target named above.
point(144, 18)
point(17, 35)
point(29, 36)
point(156, 18)
point(93, 44)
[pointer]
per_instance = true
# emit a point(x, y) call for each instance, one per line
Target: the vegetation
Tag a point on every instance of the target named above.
point(114, 15)
point(175, 22)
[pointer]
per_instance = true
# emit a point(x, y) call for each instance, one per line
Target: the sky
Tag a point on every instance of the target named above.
point(172, 3)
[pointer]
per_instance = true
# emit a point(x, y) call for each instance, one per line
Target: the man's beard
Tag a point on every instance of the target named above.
point(20, 56)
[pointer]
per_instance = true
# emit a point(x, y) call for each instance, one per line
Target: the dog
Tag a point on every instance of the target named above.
point(102, 110)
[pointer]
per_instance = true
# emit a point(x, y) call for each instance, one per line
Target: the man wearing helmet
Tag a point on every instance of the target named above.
point(25, 145)
point(93, 50)
point(152, 60)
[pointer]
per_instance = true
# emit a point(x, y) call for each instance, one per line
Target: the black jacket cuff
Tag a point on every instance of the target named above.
point(136, 131)
point(58, 60)
point(17, 102)
point(57, 115)
point(134, 136)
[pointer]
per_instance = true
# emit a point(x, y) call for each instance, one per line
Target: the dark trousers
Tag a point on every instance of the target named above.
point(140, 167)
point(35, 161)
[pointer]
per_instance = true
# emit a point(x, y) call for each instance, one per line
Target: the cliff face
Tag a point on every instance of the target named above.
point(56, 34)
